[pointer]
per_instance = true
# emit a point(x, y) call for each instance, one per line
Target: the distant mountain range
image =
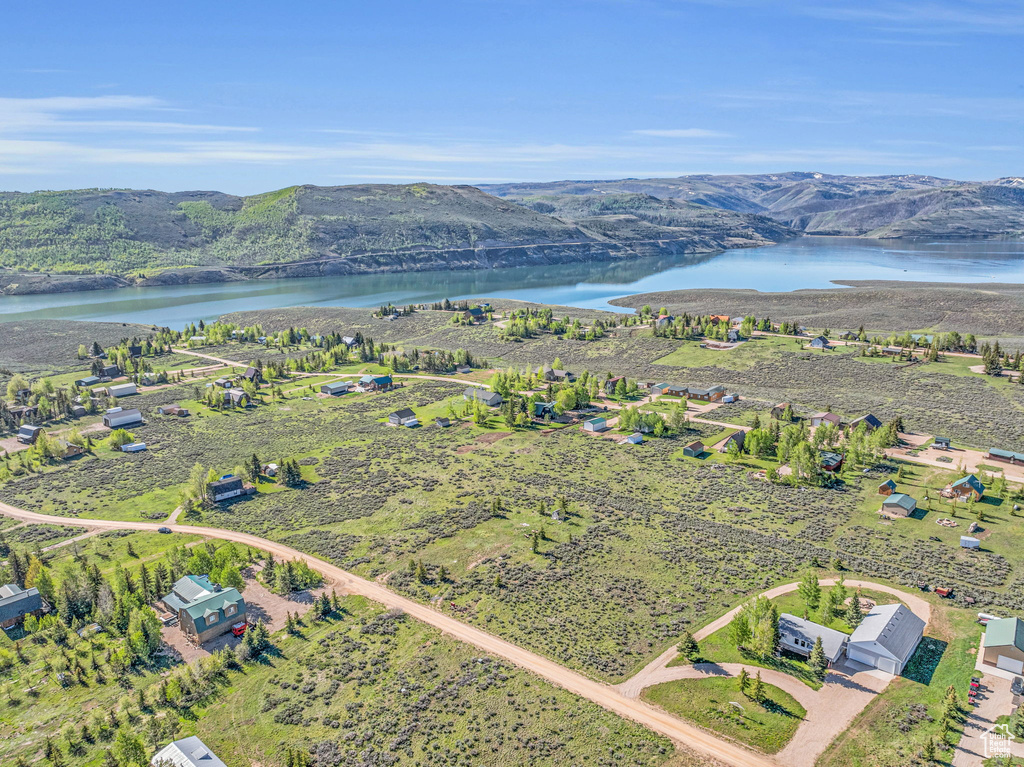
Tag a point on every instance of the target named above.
point(83, 239)
point(818, 203)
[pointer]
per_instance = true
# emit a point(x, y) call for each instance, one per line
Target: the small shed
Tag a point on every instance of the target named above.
point(119, 419)
point(694, 449)
point(887, 488)
point(123, 390)
point(969, 542)
point(404, 417)
point(635, 439)
point(819, 342)
point(444, 423)
point(336, 388)
point(87, 381)
point(595, 425)
point(941, 443)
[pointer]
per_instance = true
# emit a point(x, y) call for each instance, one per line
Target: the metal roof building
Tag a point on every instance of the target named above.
point(886, 638)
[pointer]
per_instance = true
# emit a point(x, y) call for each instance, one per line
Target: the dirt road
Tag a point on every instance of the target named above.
point(602, 694)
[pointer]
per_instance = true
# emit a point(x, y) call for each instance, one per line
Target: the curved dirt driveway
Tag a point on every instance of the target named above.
point(602, 694)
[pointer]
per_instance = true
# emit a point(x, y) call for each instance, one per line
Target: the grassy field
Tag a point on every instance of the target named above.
point(895, 725)
point(767, 726)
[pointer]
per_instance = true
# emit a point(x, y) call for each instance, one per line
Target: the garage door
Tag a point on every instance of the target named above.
point(868, 659)
point(887, 664)
point(1010, 664)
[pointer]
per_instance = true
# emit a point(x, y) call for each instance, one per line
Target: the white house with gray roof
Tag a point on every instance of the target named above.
point(798, 636)
point(187, 752)
point(886, 638)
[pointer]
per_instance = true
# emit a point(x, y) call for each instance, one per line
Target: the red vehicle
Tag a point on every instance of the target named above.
point(238, 629)
point(942, 591)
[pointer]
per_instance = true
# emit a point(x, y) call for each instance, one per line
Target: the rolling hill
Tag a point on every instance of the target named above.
point(150, 237)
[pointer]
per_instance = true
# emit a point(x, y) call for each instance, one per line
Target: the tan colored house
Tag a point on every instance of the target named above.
point(1004, 644)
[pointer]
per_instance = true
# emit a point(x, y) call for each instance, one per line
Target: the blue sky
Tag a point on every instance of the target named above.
point(250, 97)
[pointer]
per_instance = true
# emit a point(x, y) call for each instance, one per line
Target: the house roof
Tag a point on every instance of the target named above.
point(902, 500)
point(214, 602)
point(832, 641)
point(251, 372)
point(337, 385)
point(828, 457)
point(695, 445)
point(1004, 633)
point(404, 413)
point(187, 752)
point(483, 395)
point(826, 416)
point(969, 481)
point(869, 419)
point(228, 483)
point(889, 484)
point(16, 601)
point(894, 628)
point(1008, 454)
point(192, 587)
point(705, 392)
point(133, 412)
point(597, 422)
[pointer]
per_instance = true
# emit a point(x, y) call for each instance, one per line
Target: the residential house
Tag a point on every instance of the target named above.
point(237, 398)
point(252, 374)
point(476, 314)
point(224, 383)
point(595, 425)
point(483, 396)
point(110, 371)
point(886, 638)
point(848, 335)
point(887, 488)
point(204, 609)
point(548, 373)
point(798, 636)
point(664, 321)
point(964, 488)
point(23, 412)
point(941, 443)
point(713, 394)
point(541, 409)
point(830, 461)
point(228, 487)
point(444, 423)
point(27, 435)
point(736, 438)
point(1004, 644)
point(336, 388)
point(869, 420)
point(1005, 456)
point(733, 336)
point(16, 603)
point(670, 390)
point(892, 351)
point(119, 418)
point(717, 318)
point(123, 390)
point(694, 449)
point(821, 418)
point(779, 411)
point(899, 505)
point(69, 449)
point(349, 341)
point(187, 752)
point(634, 439)
point(87, 381)
point(819, 342)
point(376, 383)
point(611, 383)
point(172, 409)
point(22, 395)
point(404, 417)
point(78, 411)
point(463, 369)
point(134, 350)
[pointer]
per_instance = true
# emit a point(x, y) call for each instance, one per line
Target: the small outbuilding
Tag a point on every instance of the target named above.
point(120, 419)
point(819, 342)
point(123, 390)
point(635, 438)
point(899, 505)
point(694, 449)
point(404, 417)
point(87, 381)
point(595, 425)
point(28, 434)
point(941, 443)
point(336, 388)
point(969, 542)
point(887, 488)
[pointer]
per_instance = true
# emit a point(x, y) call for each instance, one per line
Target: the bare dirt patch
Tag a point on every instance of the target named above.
point(482, 441)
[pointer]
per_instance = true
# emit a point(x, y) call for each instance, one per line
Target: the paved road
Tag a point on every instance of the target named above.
point(602, 694)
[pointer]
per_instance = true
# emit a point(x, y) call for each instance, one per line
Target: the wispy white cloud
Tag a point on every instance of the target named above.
point(681, 133)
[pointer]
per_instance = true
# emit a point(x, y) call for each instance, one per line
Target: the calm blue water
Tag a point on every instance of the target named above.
point(809, 262)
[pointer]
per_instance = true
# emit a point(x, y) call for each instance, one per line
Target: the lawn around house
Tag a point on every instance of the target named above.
point(717, 704)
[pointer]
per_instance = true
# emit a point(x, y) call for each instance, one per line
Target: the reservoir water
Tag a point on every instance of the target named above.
point(808, 262)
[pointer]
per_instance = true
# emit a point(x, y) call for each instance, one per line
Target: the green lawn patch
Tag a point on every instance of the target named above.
point(709, 702)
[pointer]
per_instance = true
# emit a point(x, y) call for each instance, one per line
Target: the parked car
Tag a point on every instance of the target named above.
point(163, 530)
point(1017, 686)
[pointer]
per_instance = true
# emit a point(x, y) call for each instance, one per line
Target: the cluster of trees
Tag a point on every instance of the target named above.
point(393, 311)
point(430, 361)
point(633, 419)
point(450, 306)
point(690, 327)
point(288, 576)
point(527, 323)
point(755, 629)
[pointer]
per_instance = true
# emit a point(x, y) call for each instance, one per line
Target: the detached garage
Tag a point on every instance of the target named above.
point(886, 638)
point(1004, 644)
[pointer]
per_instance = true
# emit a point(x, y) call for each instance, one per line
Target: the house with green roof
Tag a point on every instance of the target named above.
point(1004, 644)
point(204, 610)
point(964, 488)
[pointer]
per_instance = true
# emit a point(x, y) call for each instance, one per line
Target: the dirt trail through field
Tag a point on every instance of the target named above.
point(602, 694)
